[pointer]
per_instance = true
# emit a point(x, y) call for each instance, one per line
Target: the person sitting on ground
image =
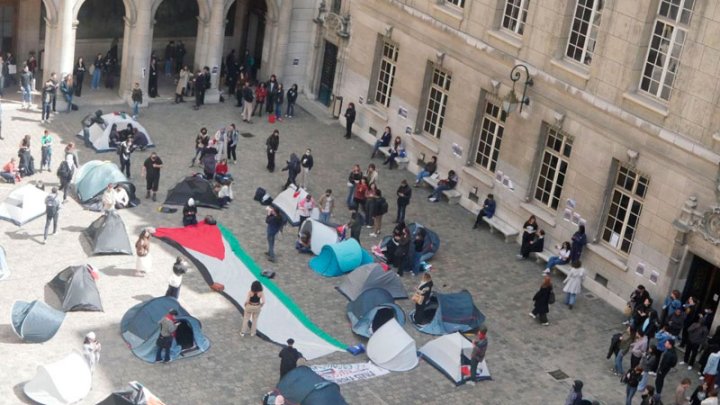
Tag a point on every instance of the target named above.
point(444, 185)
point(535, 245)
point(563, 257)
point(421, 298)
point(429, 169)
point(302, 244)
point(127, 133)
point(121, 198)
point(140, 140)
point(114, 137)
point(221, 172)
point(190, 213)
point(224, 193)
point(488, 210)
point(108, 198)
point(10, 172)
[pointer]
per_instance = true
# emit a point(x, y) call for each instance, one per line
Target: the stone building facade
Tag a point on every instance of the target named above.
point(620, 130)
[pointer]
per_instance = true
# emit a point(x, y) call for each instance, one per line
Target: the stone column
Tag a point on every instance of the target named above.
point(51, 50)
point(136, 65)
point(68, 29)
point(214, 53)
point(201, 43)
point(268, 54)
point(28, 29)
point(124, 59)
point(281, 40)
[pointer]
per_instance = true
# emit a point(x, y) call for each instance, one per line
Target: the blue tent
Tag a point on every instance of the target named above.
point(36, 321)
point(430, 247)
point(340, 258)
point(92, 178)
point(140, 328)
point(371, 310)
point(452, 312)
point(302, 386)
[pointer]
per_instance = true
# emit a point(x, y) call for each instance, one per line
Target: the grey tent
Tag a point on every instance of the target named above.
point(302, 386)
point(76, 289)
point(4, 269)
point(135, 394)
point(371, 310)
point(450, 312)
point(36, 321)
point(370, 276)
point(107, 236)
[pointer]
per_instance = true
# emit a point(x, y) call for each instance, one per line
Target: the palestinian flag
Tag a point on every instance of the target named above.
point(220, 259)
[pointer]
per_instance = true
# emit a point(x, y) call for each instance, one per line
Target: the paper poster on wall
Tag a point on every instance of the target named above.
point(499, 176)
point(576, 218)
point(654, 277)
point(640, 269)
point(583, 222)
point(360, 100)
point(402, 112)
point(567, 214)
point(408, 130)
point(570, 203)
point(457, 150)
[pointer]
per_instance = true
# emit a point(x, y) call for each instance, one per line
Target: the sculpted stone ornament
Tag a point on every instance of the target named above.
point(709, 225)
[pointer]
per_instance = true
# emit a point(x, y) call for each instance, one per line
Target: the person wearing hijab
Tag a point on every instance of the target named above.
point(575, 395)
point(190, 213)
point(91, 350)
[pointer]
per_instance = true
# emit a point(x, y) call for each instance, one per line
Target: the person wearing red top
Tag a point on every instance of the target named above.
point(10, 172)
point(260, 95)
point(360, 194)
point(221, 172)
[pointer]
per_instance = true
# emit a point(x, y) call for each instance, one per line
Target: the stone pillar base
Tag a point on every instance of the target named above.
point(212, 96)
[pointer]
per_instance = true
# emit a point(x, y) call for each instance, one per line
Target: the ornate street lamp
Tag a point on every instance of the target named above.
point(511, 100)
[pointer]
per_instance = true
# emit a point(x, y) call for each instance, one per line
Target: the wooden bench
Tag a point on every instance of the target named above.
point(402, 162)
point(544, 256)
point(497, 224)
point(452, 195)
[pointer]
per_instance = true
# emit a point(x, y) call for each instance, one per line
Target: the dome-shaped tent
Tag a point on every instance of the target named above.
point(321, 235)
point(451, 312)
point(303, 387)
point(76, 289)
point(35, 322)
point(140, 328)
point(392, 348)
point(369, 276)
point(100, 133)
point(91, 180)
point(63, 382)
point(371, 310)
point(23, 204)
point(107, 235)
point(195, 187)
point(340, 258)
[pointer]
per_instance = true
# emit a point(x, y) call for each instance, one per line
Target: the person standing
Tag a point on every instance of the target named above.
point(169, 58)
point(91, 350)
point(248, 97)
point(668, 360)
point(183, 78)
point(79, 76)
point(153, 79)
point(260, 96)
point(168, 326)
point(480, 344)
point(293, 168)
point(52, 208)
point(125, 151)
point(353, 180)
point(67, 89)
point(349, 120)
point(46, 142)
point(253, 305)
point(274, 225)
point(305, 208)
point(199, 88)
point(202, 140)
point(53, 77)
point(307, 164)
point(96, 74)
point(151, 172)
point(47, 97)
point(142, 249)
point(573, 283)
point(578, 242)
point(632, 380)
point(638, 348)
point(26, 79)
point(180, 52)
point(326, 204)
point(697, 335)
point(289, 357)
point(680, 392)
point(404, 193)
point(380, 209)
point(71, 163)
point(189, 213)
point(542, 301)
point(624, 342)
point(137, 99)
point(272, 144)
point(291, 99)
point(279, 100)
point(233, 138)
point(178, 271)
point(422, 298)
point(271, 87)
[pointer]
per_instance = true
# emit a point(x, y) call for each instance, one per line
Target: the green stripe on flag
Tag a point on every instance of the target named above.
point(270, 285)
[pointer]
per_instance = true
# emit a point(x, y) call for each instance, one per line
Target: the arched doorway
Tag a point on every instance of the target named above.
point(99, 34)
point(254, 35)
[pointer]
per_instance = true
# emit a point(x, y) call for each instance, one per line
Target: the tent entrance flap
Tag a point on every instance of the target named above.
point(382, 316)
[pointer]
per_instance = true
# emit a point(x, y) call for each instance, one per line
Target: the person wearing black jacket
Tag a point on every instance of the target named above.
point(248, 96)
point(272, 87)
point(542, 301)
point(382, 142)
point(307, 164)
point(153, 79)
point(272, 144)
point(291, 98)
point(349, 120)
point(404, 193)
point(289, 357)
point(668, 360)
point(125, 151)
point(190, 213)
point(536, 244)
point(293, 168)
point(80, 69)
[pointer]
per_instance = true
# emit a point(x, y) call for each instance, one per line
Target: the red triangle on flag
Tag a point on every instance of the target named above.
point(202, 238)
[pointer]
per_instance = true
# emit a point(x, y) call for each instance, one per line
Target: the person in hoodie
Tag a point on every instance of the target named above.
point(575, 396)
point(638, 349)
point(667, 361)
point(293, 168)
point(697, 335)
point(291, 98)
point(307, 164)
point(671, 303)
point(577, 243)
point(675, 322)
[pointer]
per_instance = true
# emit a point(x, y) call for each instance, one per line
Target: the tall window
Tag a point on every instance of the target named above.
point(665, 47)
point(437, 102)
point(553, 168)
point(335, 6)
point(491, 133)
point(625, 207)
point(458, 3)
point(515, 15)
point(584, 30)
point(386, 76)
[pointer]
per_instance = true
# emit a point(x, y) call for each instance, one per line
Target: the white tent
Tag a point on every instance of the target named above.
point(64, 382)
point(446, 353)
point(320, 234)
point(100, 134)
point(287, 202)
point(391, 348)
point(24, 204)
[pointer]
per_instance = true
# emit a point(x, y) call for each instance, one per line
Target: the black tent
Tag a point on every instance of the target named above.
point(76, 289)
point(302, 386)
point(195, 187)
point(135, 394)
point(107, 236)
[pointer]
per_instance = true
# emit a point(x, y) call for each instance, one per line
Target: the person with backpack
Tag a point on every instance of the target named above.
point(274, 222)
point(632, 380)
point(380, 208)
point(293, 169)
point(542, 300)
point(667, 361)
point(52, 207)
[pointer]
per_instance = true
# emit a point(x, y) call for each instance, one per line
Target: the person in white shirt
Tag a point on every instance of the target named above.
point(225, 194)
point(108, 199)
point(91, 350)
point(121, 198)
point(562, 258)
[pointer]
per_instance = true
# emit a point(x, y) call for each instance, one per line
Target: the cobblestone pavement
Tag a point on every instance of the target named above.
point(240, 370)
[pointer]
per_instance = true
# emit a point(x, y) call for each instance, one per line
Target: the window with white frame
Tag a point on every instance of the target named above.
point(491, 132)
point(457, 3)
point(515, 15)
point(553, 167)
point(584, 30)
point(665, 48)
point(386, 75)
point(625, 207)
point(437, 102)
